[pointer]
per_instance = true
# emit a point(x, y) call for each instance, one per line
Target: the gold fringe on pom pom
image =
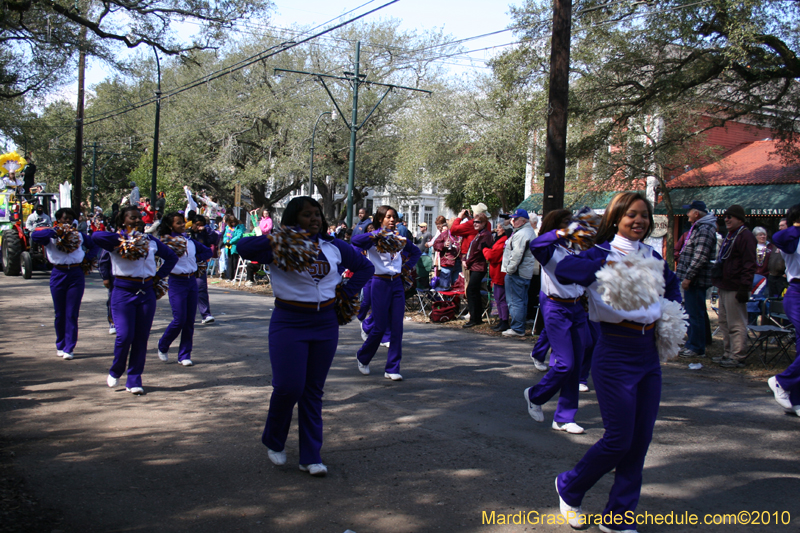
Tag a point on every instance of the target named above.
point(292, 249)
point(582, 231)
point(87, 265)
point(134, 246)
point(161, 287)
point(69, 238)
point(176, 244)
point(388, 242)
point(11, 162)
point(346, 308)
point(407, 276)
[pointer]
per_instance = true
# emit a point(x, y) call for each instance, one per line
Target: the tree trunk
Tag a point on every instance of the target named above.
point(670, 254)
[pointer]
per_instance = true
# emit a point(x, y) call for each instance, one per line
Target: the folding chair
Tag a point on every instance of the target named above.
point(212, 266)
point(425, 299)
point(760, 336)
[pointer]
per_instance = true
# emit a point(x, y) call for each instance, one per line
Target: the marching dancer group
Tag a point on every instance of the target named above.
point(608, 300)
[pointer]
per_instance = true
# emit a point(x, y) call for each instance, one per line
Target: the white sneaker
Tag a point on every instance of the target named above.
point(317, 469)
point(112, 381)
point(187, 362)
point(207, 320)
point(781, 396)
point(363, 333)
point(364, 369)
point(606, 529)
point(570, 427)
point(277, 458)
point(112, 330)
point(386, 344)
point(135, 390)
point(163, 356)
point(67, 356)
point(393, 377)
point(60, 353)
point(540, 366)
point(534, 410)
point(583, 387)
point(574, 515)
point(512, 333)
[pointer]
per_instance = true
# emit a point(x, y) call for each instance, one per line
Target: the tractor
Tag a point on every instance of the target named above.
point(20, 254)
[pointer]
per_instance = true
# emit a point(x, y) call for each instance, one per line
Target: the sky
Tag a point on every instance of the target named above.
point(459, 18)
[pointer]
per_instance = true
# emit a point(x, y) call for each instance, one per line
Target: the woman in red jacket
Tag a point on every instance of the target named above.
point(494, 256)
point(476, 264)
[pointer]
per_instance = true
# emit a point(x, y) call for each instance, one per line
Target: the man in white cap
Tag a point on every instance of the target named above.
point(519, 265)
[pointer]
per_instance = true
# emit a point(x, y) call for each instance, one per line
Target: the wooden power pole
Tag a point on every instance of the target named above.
point(77, 192)
point(555, 160)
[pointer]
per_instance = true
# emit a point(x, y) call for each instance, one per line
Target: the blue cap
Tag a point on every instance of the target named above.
point(696, 204)
point(520, 213)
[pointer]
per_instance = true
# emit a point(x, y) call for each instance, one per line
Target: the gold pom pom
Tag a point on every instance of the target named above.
point(292, 249)
point(388, 242)
point(134, 246)
point(176, 244)
point(161, 287)
point(346, 308)
point(69, 238)
point(87, 265)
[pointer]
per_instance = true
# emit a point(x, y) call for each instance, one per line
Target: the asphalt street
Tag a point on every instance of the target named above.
point(440, 451)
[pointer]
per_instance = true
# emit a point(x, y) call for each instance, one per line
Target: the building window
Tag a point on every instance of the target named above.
point(414, 216)
point(429, 215)
point(369, 207)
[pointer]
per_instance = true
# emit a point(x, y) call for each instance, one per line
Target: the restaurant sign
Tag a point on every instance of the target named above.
point(660, 226)
point(776, 212)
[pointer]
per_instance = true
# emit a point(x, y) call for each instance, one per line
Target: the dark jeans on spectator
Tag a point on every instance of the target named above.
point(233, 264)
point(694, 300)
point(252, 268)
point(474, 300)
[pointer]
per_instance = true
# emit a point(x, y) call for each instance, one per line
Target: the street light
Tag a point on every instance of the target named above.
point(313, 134)
point(155, 136)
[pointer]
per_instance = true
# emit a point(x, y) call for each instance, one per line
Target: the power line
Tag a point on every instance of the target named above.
point(235, 67)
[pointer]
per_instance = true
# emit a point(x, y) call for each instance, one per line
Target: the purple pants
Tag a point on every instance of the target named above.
point(66, 287)
point(133, 306)
point(203, 304)
point(301, 349)
point(183, 300)
point(387, 316)
point(565, 324)
point(789, 379)
point(627, 378)
point(364, 315)
point(592, 334)
point(500, 301)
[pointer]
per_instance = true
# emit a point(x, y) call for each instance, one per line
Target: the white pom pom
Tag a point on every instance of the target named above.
point(670, 329)
point(635, 282)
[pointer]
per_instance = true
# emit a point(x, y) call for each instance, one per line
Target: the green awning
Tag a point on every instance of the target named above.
point(572, 200)
point(757, 200)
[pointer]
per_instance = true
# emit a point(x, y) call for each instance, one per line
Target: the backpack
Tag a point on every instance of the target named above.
point(443, 311)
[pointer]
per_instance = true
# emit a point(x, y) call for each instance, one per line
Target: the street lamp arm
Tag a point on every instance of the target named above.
point(325, 85)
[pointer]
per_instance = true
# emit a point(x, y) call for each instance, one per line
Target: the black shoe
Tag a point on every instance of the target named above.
point(471, 324)
point(504, 325)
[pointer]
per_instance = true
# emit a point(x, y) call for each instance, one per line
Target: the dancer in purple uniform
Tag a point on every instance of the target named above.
point(625, 368)
point(565, 324)
point(387, 293)
point(786, 385)
point(304, 330)
point(133, 301)
point(183, 290)
point(67, 280)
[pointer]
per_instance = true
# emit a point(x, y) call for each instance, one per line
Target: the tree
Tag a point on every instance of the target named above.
point(44, 36)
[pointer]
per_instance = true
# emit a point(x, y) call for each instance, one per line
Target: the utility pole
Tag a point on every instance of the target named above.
point(78, 175)
point(555, 159)
point(94, 171)
point(356, 80)
point(155, 134)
